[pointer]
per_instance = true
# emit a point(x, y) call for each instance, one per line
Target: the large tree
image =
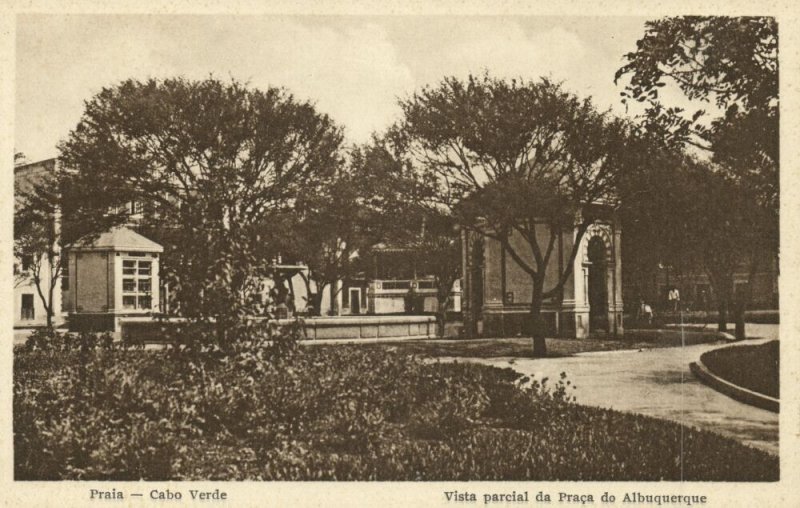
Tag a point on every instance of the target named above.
point(516, 159)
point(37, 241)
point(439, 248)
point(731, 62)
point(327, 230)
point(210, 163)
point(403, 204)
point(677, 215)
point(724, 238)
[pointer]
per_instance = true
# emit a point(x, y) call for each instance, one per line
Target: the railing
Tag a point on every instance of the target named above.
point(28, 314)
point(423, 285)
point(394, 284)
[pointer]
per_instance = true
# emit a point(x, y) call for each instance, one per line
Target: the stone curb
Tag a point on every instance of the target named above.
point(694, 333)
point(734, 391)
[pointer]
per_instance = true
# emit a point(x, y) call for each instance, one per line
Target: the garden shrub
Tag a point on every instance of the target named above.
point(258, 411)
point(755, 367)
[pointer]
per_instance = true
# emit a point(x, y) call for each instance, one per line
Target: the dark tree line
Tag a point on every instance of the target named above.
point(717, 210)
point(228, 177)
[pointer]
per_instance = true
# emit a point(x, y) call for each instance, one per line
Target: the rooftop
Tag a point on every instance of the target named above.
point(122, 239)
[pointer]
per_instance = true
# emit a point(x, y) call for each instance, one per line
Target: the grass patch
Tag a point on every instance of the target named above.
point(753, 367)
point(334, 413)
point(522, 347)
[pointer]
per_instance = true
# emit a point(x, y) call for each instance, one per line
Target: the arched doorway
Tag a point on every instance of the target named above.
point(598, 286)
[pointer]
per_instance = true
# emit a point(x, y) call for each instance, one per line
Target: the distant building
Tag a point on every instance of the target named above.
point(112, 277)
point(390, 278)
point(28, 308)
point(695, 288)
point(396, 280)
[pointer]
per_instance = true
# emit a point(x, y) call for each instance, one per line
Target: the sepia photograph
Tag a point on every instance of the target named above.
point(396, 248)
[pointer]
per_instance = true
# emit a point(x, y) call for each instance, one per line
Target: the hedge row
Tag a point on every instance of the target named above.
point(339, 412)
point(756, 367)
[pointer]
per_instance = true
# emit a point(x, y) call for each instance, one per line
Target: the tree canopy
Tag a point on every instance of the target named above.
point(209, 163)
point(731, 62)
point(508, 156)
point(722, 214)
point(37, 239)
point(405, 212)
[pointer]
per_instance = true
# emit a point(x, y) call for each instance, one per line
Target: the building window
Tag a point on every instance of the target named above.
point(28, 312)
point(27, 262)
point(137, 284)
point(64, 271)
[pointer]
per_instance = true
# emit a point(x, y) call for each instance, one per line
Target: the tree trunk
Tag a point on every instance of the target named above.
point(292, 308)
point(739, 317)
point(744, 299)
point(537, 326)
point(722, 283)
point(49, 307)
point(441, 315)
point(316, 302)
point(334, 308)
point(722, 319)
point(311, 298)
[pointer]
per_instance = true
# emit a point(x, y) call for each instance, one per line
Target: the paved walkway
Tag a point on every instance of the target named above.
point(658, 382)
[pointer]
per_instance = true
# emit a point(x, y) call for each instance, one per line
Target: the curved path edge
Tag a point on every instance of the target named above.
point(733, 391)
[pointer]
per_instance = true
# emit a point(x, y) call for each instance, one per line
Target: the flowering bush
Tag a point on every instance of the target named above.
point(331, 412)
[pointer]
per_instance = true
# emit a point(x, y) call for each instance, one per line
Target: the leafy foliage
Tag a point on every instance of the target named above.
point(730, 61)
point(401, 202)
point(753, 367)
point(510, 157)
point(36, 239)
point(733, 63)
point(317, 414)
point(677, 212)
point(439, 246)
point(210, 163)
point(337, 219)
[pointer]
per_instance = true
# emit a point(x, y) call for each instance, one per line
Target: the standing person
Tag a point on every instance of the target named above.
point(409, 299)
point(645, 312)
point(674, 299)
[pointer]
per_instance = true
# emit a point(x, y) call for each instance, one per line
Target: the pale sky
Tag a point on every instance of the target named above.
point(353, 68)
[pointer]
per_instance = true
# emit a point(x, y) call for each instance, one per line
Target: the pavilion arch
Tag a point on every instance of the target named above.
point(600, 231)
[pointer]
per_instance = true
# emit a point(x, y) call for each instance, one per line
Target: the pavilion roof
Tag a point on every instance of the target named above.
point(121, 239)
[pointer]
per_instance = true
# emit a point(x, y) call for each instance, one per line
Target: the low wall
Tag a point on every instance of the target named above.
point(369, 327)
point(677, 336)
point(563, 323)
point(316, 329)
point(105, 321)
